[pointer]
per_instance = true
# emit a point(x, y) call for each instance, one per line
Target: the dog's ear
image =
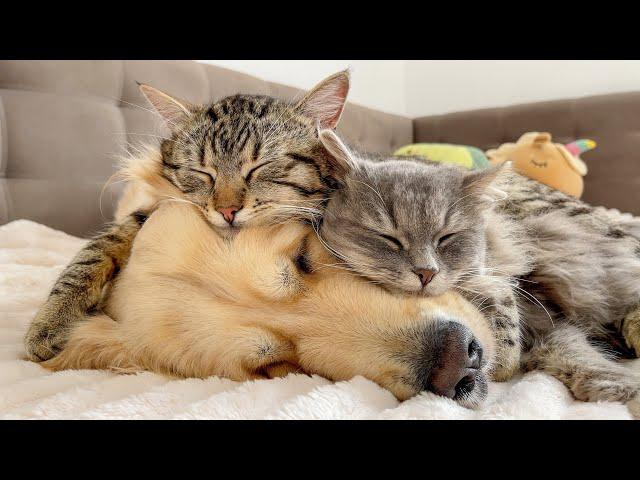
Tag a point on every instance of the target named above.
point(341, 160)
point(173, 110)
point(325, 102)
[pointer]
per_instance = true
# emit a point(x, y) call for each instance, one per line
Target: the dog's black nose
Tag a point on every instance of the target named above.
point(456, 362)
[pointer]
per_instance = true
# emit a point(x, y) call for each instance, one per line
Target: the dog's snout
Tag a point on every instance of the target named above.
point(457, 361)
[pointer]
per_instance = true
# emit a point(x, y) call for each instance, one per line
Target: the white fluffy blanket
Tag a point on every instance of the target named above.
point(32, 256)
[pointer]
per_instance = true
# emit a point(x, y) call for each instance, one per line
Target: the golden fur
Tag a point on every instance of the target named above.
point(190, 303)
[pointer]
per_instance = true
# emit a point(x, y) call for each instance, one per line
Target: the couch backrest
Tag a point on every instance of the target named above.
point(613, 121)
point(63, 125)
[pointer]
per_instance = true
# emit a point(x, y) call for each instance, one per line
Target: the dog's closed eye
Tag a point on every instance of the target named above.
point(301, 260)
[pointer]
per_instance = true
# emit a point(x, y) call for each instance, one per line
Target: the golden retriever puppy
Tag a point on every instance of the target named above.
point(271, 301)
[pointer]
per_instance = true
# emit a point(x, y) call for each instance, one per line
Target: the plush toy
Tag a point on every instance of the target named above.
point(468, 157)
point(556, 165)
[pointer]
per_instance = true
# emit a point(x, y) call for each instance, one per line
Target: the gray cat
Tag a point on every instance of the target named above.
point(548, 270)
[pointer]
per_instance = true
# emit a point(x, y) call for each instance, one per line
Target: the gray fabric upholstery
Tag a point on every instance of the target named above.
point(63, 125)
point(613, 121)
point(66, 122)
point(3, 142)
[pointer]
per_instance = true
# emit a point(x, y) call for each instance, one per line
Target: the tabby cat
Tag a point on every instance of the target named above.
point(425, 227)
point(245, 159)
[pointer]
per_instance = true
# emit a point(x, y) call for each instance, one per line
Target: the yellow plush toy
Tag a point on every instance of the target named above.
point(556, 165)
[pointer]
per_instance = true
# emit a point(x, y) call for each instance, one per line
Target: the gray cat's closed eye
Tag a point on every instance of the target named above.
point(392, 240)
point(444, 238)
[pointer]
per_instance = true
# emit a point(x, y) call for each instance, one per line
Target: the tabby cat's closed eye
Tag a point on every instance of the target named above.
point(249, 175)
point(206, 176)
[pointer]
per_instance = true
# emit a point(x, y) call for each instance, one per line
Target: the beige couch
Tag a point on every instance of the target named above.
point(63, 124)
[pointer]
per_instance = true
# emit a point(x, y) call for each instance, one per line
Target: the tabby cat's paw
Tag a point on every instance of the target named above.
point(43, 344)
point(631, 330)
point(506, 365)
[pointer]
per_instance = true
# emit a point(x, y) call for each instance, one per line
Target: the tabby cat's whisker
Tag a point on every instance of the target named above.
point(155, 113)
point(146, 135)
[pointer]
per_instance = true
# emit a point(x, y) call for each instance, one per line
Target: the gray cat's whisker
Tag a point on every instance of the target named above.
point(341, 255)
point(339, 266)
point(467, 289)
point(336, 253)
point(535, 301)
point(461, 198)
point(494, 305)
point(383, 205)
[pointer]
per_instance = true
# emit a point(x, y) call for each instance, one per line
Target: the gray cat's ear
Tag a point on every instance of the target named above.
point(325, 102)
point(342, 161)
point(484, 184)
point(172, 110)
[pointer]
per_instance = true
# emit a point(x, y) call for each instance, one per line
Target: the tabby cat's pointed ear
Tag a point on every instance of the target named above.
point(171, 109)
point(325, 102)
point(342, 159)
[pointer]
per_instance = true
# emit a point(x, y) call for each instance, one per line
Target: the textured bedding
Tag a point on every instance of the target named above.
point(31, 258)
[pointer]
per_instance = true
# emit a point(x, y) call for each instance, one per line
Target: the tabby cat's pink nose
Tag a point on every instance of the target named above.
point(228, 213)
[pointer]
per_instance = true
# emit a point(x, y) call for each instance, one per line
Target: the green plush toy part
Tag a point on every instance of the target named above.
point(465, 156)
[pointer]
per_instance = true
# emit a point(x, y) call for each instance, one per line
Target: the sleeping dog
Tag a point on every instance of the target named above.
point(190, 303)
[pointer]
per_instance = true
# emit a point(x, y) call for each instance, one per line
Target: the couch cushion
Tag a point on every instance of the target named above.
point(4, 158)
point(61, 136)
point(92, 77)
point(68, 204)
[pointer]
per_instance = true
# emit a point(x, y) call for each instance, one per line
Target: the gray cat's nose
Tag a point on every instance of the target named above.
point(425, 274)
